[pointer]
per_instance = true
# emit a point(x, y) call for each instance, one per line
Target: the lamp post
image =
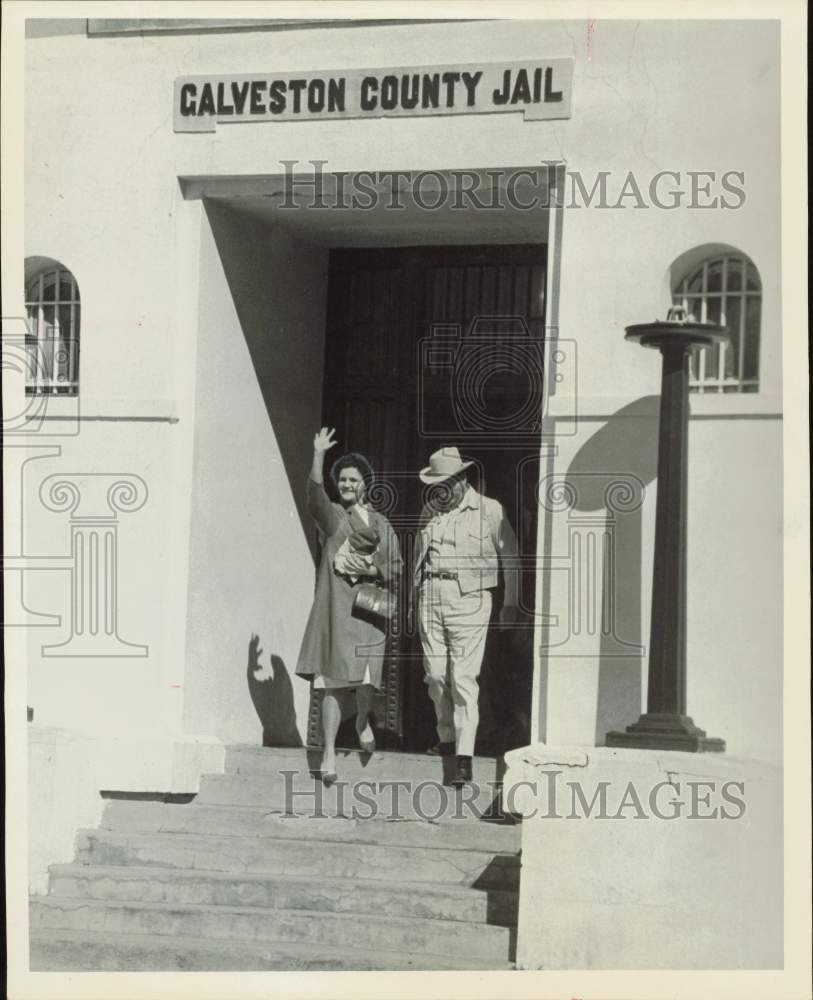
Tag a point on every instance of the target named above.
point(665, 724)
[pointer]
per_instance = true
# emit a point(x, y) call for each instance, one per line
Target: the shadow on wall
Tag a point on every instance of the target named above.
point(604, 489)
point(273, 698)
point(278, 286)
point(625, 450)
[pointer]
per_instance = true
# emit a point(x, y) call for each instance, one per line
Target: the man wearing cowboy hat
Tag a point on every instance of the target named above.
point(464, 539)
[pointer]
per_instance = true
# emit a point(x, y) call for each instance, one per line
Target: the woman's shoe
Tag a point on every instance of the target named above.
point(367, 746)
point(328, 777)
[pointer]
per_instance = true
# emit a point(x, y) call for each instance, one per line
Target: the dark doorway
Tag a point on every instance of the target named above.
point(427, 347)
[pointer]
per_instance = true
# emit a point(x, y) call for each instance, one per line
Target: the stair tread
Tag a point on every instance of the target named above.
point(251, 822)
point(298, 752)
point(106, 832)
point(260, 779)
point(281, 950)
point(263, 809)
point(135, 872)
point(452, 925)
point(75, 903)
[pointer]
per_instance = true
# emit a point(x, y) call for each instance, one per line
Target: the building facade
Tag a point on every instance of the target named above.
point(221, 289)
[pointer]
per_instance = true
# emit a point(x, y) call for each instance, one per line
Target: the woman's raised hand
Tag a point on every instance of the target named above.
point(323, 441)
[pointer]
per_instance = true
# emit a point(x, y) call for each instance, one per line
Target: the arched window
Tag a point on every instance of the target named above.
point(724, 288)
point(52, 305)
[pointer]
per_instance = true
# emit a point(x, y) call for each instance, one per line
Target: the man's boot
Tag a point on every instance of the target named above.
point(463, 773)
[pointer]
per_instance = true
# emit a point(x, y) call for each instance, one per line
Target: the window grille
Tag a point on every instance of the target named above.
point(52, 340)
point(727, 290)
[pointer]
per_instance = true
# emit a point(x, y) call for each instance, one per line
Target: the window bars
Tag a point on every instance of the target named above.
point(724, 290)
point(53, 309)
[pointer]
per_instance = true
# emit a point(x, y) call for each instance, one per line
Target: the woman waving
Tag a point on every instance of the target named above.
point(341, 652)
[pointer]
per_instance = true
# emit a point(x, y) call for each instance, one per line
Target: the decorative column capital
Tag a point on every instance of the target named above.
point(613, 492)
point(96, 496)
point(94, 500)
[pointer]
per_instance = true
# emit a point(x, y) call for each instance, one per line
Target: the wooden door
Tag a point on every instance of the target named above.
point(427, 347)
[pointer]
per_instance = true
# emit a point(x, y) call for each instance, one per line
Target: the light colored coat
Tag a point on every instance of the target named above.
point(336, 644)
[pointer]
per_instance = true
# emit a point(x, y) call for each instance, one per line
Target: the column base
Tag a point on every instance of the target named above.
point(95, 645)
point(663, 731)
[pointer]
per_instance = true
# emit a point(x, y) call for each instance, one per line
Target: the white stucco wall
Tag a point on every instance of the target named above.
point(258, 400)
point(591, 679)
point(663, 860)
point(102, 196)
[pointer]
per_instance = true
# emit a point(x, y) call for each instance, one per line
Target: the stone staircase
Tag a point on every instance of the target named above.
point(266, 869)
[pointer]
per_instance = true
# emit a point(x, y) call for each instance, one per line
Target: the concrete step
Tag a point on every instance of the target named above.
point(362, 796)
point(335, 895)
point(247, 923)
point(300, 856)
point(77, 951)
point(153, 817)
point(351, 764)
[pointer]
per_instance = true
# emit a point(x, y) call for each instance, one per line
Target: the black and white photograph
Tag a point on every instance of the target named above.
point(405, 498)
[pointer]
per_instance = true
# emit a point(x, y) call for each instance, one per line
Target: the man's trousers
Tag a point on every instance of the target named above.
point(453, 629)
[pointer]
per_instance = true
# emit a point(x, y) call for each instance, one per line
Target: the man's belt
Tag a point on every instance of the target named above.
point(439, 574)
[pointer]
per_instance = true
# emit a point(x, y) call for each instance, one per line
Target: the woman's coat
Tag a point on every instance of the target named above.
point(336, 644)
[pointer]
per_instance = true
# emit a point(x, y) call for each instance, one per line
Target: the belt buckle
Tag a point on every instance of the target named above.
point(439, 574)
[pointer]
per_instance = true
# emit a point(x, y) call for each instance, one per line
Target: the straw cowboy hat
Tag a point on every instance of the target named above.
point(443, 465)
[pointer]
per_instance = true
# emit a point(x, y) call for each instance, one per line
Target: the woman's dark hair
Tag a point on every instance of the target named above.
point(352, 460)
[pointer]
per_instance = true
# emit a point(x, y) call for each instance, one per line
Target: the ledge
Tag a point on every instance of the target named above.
point(187, 25)
point(727, 406)
point(61, 408)
point(540, 756)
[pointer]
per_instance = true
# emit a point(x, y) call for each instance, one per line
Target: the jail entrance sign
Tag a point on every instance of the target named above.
point(539, 89)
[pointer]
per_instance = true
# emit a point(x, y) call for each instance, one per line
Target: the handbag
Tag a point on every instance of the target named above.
point(375, 604)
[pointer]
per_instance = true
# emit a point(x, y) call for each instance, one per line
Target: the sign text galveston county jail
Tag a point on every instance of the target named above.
point(539, 89)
